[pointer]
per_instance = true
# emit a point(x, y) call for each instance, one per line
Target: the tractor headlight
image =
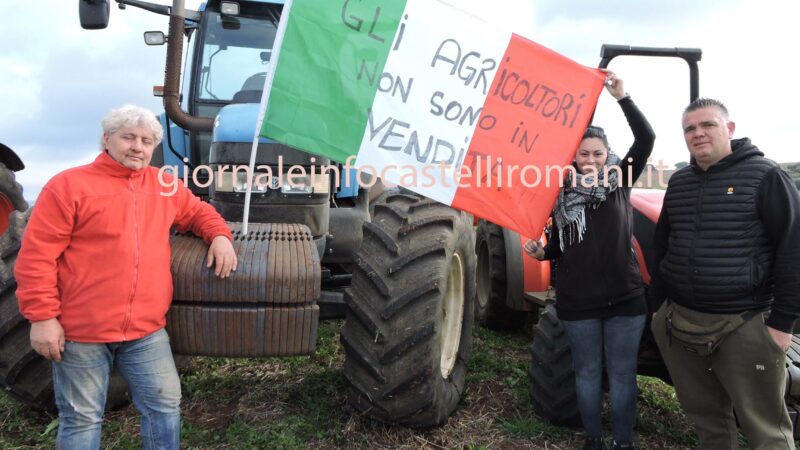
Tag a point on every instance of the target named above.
point(241, 184)
point(263, 183)
point(305, 184)
point(297, 184)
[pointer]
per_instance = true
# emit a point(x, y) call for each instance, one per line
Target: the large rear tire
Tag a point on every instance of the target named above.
point(408, 332)
point(551, 373)
point(491, 308)
point(25, 375)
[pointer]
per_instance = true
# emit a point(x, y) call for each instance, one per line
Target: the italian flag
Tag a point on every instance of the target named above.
point(432, 98)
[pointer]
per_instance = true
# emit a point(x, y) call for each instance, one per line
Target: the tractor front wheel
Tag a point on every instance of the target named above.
point(408, 332)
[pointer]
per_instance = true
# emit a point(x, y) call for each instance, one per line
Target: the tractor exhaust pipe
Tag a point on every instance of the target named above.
point(172, 76)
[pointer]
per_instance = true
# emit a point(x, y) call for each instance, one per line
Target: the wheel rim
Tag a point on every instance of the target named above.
point(482, 276)
point(452, 315)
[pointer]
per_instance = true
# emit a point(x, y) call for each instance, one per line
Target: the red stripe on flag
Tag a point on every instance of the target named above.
point(535, 113)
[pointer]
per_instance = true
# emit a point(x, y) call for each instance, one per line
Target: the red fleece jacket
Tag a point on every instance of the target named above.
point(96, 252)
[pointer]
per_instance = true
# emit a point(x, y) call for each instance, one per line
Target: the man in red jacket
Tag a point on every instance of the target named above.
point(94, 280)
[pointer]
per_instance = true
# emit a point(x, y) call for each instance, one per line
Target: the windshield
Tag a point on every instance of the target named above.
point(236, 53)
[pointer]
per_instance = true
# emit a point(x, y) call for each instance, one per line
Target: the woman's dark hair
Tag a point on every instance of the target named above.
point(593, 131)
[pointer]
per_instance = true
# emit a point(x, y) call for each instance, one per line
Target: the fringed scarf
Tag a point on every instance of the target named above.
point(570, 209)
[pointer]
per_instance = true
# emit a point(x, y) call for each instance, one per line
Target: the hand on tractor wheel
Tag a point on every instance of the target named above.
point(222, 256)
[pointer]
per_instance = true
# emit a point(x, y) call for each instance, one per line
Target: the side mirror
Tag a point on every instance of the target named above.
point(154, 38)
point(94, 14)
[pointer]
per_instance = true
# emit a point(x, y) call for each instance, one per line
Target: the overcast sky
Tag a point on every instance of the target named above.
point(57, 80)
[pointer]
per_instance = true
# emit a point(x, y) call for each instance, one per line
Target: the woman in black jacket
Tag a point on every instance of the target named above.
point(599, 293)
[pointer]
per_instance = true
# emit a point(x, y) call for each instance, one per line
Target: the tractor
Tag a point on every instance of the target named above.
point(512, 287)
point(13, 211)
point(398, 266)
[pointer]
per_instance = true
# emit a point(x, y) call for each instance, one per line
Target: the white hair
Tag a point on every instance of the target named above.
point(131, 116)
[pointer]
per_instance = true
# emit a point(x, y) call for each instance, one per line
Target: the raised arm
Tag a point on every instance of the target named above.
point(643, 135)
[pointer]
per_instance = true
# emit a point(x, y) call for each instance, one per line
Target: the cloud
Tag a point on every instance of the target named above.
point(748, 63)
point(675, 12)
point(76, 90)
point(62, 80)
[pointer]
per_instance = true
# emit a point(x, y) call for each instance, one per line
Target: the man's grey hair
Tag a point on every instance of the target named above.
point(131, 116)
point(707, 103)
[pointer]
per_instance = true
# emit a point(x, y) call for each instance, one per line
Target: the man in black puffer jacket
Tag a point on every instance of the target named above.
point(727, 249)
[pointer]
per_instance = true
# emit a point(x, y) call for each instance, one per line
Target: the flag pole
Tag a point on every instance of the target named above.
point(262, 110)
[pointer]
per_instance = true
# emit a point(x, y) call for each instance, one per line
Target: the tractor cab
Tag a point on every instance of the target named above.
point(227, 63)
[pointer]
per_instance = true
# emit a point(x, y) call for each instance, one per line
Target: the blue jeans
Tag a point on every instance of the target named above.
point(80, 382)
point(616, 338)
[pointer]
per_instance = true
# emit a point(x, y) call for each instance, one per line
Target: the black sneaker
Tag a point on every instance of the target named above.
point(627, 446)
point(593, 443)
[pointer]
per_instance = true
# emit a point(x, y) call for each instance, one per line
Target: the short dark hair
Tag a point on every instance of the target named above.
point(706, 103)
point(593, 131)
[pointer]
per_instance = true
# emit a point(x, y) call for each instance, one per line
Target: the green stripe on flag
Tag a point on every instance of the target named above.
point(327, 74)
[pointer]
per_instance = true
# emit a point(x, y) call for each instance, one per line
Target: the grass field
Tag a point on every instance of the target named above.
point(300, 402)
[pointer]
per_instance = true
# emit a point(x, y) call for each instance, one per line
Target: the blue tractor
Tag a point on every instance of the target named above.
point(398, 266)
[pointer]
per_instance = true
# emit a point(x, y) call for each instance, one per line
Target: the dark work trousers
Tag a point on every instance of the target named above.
point(746, 373)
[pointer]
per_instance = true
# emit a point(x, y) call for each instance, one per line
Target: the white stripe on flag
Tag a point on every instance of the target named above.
point(430, 100)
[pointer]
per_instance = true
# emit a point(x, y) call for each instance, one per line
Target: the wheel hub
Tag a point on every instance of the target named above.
point(452, 315)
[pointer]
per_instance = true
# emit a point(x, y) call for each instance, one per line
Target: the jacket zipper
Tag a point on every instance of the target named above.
point(129, 313)
point(698, 221)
